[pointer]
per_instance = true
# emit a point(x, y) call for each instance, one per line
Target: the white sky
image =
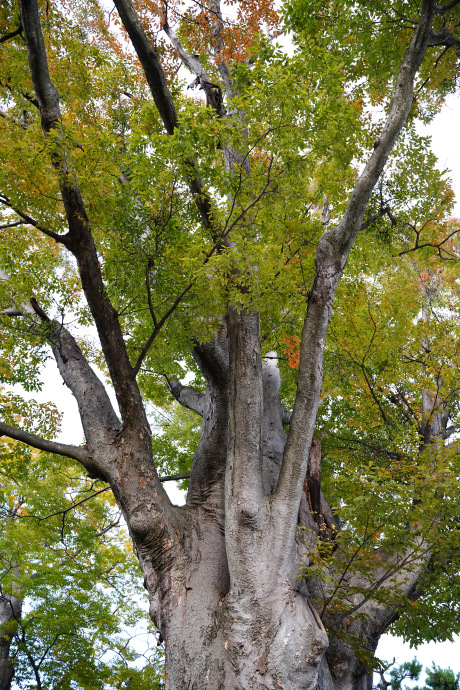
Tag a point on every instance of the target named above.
point(445, 140)
point(445, 133)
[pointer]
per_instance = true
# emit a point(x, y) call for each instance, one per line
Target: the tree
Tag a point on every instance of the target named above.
point(408, 669)
point(195, 233)
point(69, 583)
point(436, 677)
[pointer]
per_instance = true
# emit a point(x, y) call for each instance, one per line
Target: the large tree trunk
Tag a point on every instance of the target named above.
point(233, 612)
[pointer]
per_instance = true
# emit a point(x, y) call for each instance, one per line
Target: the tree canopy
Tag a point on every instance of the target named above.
point(264, 266)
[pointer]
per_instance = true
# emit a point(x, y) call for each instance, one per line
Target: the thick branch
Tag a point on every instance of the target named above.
point(213, 96)
point(150, 62)
point(96, 412)
point(122, 456)
point(444, 38)
point(188, 397)
point(213, 91)
point(219, 44)
point(443, 9)
point(190, 61)
point(80, 454)
point(6, 37)
point(244, 464)
point(174, 477)
point(79, 240)
point(273, 435)
point(47, 96)
point(10, 614)
point(286, 416)
point(384, 211)
point(156, 80)
point(212, 359)
point(211, 454)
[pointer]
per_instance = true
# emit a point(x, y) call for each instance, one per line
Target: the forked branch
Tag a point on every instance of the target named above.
point(31, 221)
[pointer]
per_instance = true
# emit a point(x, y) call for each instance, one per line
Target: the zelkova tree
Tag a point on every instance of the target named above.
point(201, 234)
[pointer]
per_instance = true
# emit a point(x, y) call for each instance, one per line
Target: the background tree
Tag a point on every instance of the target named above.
point(69, 582)
point(436, 677)
point(195, 238)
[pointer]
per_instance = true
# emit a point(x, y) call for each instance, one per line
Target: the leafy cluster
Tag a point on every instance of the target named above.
point(65, 556)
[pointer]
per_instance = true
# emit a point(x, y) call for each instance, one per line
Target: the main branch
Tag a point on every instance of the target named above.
point(148, 56)
point(331, 256)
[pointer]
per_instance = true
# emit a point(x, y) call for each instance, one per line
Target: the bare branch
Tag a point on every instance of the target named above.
point(158, 327)
point(149, 293)
point(188, 397)
point(6, 36)
point(448, 256)
point(66, 510)
point(12, 225)
point(80, 454)
point(26, 219)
